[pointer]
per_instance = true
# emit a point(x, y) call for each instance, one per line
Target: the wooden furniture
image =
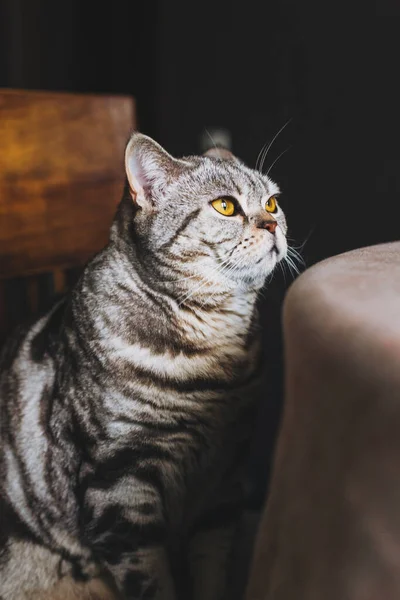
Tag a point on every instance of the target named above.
point(61, 177)
point(331, 528)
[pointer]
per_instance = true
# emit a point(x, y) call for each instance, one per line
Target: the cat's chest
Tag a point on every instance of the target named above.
point(226, 360)
point(208, 468)
point(212, 452)
point(190, 344)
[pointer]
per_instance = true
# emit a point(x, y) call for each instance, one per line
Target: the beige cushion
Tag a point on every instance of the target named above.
point(331, 528)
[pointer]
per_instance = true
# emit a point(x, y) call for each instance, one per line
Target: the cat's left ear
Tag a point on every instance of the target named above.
point(148, 169)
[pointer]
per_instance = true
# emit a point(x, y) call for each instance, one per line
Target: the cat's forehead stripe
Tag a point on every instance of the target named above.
point(259, 186)
point(235, 178)
point(255, 191)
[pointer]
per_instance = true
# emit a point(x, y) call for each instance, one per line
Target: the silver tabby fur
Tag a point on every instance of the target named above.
point(126, 410)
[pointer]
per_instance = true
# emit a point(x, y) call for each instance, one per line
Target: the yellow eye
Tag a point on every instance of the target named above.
point(224, 206)
point(270, 205)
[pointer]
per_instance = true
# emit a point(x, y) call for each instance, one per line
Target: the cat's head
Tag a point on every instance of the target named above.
point(208, 217)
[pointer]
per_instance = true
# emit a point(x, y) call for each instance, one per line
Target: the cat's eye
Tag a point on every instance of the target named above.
point(271, 205)
point(224, 206)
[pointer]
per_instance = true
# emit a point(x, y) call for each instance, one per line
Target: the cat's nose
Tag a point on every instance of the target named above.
point(269, 224)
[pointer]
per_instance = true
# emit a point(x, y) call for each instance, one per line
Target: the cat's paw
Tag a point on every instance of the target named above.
point(81, 569)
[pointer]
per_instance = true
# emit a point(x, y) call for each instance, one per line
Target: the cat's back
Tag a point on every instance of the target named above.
point(27, 366)
point(33, 342)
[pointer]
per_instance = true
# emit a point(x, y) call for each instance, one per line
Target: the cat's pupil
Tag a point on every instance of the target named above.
point(224, 205)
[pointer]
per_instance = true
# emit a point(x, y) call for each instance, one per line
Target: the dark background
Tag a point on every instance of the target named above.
point(248, 67)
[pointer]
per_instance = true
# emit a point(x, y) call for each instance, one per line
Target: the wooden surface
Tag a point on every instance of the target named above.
point(61, 177)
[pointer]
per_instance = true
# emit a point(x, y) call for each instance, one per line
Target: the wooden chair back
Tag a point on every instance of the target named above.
point(61, 178)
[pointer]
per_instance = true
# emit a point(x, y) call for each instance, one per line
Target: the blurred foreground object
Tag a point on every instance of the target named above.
point(331, 527)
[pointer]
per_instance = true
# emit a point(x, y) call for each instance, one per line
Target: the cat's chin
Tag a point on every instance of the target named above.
point(254, 277)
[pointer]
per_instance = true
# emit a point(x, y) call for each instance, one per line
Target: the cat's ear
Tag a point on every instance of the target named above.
point(219, 152)
point(148, 168)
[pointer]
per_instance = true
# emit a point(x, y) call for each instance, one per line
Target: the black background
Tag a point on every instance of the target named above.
point(248, 67)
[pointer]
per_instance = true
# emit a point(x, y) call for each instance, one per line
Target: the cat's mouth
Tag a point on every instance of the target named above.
point(255, 272)
point(252, 264)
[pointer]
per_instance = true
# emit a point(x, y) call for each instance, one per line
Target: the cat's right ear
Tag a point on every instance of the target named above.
point(147, 165)
point(219, 152)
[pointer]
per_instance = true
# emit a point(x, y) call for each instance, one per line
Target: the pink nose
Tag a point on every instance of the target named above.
point(270, 226)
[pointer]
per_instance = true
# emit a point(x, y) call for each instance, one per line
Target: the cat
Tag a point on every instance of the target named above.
point(127, 409)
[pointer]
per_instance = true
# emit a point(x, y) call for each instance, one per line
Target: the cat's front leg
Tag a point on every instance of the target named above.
point(129, 541)
point(144, 574)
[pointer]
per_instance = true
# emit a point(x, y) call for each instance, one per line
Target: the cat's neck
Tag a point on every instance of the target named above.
point(126, 305)
point(230, 318)
point(127, 324)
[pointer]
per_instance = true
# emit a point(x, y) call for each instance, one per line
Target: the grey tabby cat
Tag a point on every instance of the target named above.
point(126, 410)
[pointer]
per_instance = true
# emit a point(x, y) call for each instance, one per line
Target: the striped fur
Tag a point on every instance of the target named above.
point(127, 409)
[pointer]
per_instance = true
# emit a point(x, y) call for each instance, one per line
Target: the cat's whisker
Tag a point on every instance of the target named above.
point(301, 246)
point(211, 138)
point(259, 156)
point(231, 269)
point(263, 291)
point(235, 267)
point(290, 269)
point(265, 153)
point(212, 285)
point(296, 256)
point(193, 276)
point(292, 277)
point(188, 295)
point(224, 268)
point(282, 264)
point(292, 266)
point(276, 160)
point(291, 257)
point(297, 261)
point(293, 249)
point(214, 272)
